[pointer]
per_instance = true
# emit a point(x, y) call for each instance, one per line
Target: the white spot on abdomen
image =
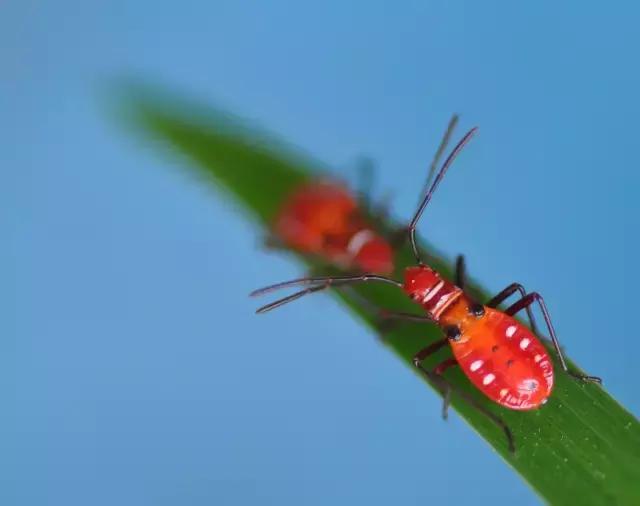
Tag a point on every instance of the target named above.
point(537, 358)
point(510, 331)
point(488, 378)
point(524, 344)
point(475, 365)
point(503, 392)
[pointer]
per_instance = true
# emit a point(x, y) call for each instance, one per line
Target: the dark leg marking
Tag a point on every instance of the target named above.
point(525, 302)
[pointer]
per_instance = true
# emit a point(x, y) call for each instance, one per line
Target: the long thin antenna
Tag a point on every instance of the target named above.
point(441, 149)
point(316, 284)
point(447, 163)
point(319, 280)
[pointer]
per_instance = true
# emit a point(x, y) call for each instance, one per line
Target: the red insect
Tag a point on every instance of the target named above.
point(322, 218)
point(500, 356)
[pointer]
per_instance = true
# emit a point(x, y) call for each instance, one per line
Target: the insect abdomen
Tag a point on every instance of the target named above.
point(505, 361)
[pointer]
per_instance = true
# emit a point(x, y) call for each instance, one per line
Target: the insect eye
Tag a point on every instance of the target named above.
point(476, 310)
point(453, 332)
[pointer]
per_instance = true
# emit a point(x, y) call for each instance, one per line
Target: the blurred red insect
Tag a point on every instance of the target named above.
point(504, 359)
point(323, 218)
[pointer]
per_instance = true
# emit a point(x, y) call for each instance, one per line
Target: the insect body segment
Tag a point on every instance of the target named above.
point(322, 218)
point(427, 288)
point(501, 357)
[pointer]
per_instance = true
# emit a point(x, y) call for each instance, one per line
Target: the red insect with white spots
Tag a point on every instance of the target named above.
point(503, 358)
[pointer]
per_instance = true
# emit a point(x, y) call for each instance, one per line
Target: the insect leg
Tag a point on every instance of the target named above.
point(446, 388)
point(400, 315)
point(461, 272)
point(439, 370)
point(377, 209)
point(429, 350)
point(508, 292)
point(443, 366)
point(525, 302)
point(384, 320)
point(389, 319)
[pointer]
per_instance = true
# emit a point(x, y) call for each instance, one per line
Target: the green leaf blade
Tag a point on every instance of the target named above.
point(581, 448)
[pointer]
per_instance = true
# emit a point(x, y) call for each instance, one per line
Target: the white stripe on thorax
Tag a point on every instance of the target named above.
point(445, 302)
point(433, 292)
point(358, 240)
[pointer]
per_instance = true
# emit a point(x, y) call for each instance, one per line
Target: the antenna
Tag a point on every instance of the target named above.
point(315, 284)
point(441, 148)
point(445, 166)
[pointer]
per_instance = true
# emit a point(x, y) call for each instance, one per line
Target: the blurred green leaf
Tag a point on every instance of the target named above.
point(581, 448)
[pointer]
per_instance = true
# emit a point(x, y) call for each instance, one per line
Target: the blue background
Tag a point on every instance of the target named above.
point(125, 372)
